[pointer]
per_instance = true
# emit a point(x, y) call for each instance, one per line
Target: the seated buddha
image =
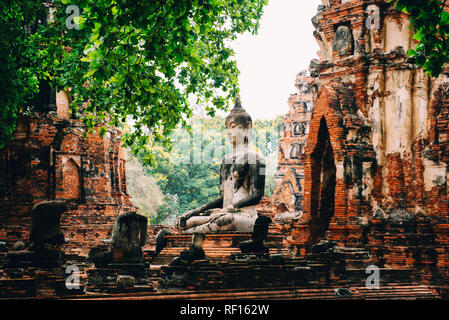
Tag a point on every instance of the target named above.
point(242, 184)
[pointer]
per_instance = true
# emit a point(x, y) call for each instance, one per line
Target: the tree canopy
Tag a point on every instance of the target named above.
point(430, 22)
point(123, 59)
point(143, 61)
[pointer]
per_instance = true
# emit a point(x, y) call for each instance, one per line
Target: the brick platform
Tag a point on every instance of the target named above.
point(40, 282)
point(216, 246)
point(390, 292)
point(105, 279)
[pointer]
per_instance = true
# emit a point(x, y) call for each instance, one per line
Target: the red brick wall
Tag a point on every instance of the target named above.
point(374, 179)
point(51, 159)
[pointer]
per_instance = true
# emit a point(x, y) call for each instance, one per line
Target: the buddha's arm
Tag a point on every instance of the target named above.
point(216, 203)
point(257, 185)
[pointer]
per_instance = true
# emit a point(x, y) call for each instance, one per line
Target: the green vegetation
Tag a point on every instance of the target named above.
point(188, 173)
point(142, 62)
point(143, 189)
point(430, 22)
point(123, 59)
point(145, 60)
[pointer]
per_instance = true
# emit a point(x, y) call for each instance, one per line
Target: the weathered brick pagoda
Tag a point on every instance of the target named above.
point(294, 131)
point(376, 159)
point(51, 159)
point(377, 143)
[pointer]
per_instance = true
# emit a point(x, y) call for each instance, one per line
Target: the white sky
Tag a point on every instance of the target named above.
point(269, 61)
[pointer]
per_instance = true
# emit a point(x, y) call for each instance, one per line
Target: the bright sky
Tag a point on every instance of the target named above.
point(269, 61)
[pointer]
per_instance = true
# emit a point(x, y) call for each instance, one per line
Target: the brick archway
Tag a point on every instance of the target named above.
point(323, 159)
point(323, 177)
point(72, 182)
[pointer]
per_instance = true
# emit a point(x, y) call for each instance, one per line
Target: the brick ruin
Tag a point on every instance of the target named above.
point(372, 177)
point(363, 167)
point(50, 159)
point(293, 138)
point(376, 157)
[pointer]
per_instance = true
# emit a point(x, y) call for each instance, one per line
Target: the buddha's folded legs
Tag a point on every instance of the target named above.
point(196, 221)
point(240, 222)
point(244, 222)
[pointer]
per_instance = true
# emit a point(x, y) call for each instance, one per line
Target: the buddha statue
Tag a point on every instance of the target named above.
point(129, 235)
point(242, 184)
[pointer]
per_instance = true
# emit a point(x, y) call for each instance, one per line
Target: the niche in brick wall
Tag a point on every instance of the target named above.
point(45, 99)
point(114, 175)
point(297, 150)
point(299, 129)
point(343, 41)
point(323, 181)
point(72, 181)
point(63, 105)
point(285, 152)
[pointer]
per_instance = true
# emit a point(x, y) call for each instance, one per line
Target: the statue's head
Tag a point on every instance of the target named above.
point(238, 124)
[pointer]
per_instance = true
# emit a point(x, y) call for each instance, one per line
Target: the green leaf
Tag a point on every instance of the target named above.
point(127, 60)
point(90, 73)
point(411, 52)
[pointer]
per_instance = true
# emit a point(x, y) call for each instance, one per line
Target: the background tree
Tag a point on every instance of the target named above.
point(123, 59)
point(23, 62)
point(143, 189)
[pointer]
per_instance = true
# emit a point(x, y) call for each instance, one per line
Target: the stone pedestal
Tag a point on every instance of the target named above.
point(261, 271)
point(27, 258)
point(239, 272)
point(218, 247)
point(24, 280)
point(105, 279)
